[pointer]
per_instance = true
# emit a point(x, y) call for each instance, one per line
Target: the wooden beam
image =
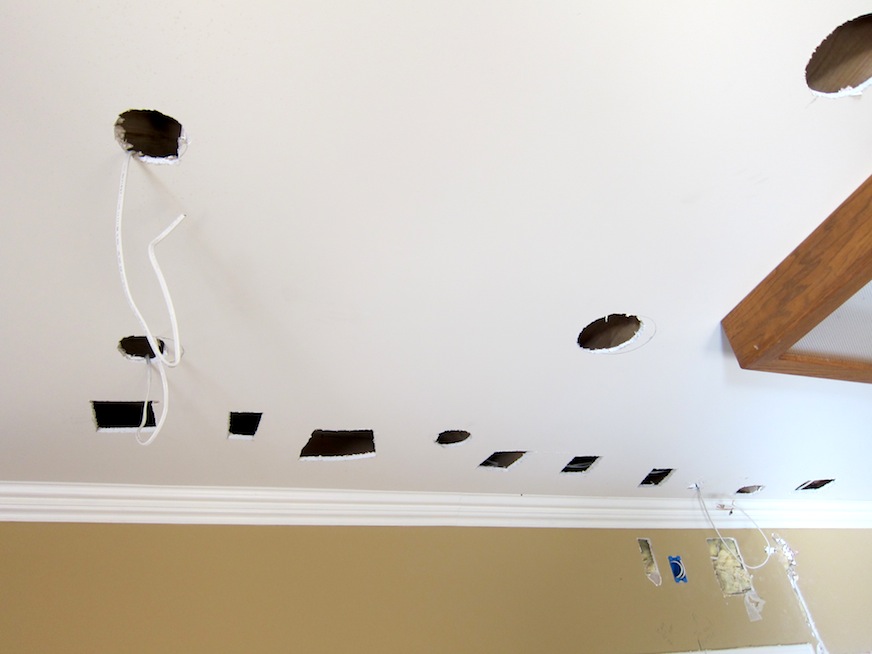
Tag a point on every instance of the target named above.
point(830, 266)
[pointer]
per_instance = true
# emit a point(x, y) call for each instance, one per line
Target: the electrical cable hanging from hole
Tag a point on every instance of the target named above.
point(769, 549)
point(161, 361)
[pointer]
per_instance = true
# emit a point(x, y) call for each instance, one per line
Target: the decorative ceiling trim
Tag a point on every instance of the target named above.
point(820, 275)
point(122, 503)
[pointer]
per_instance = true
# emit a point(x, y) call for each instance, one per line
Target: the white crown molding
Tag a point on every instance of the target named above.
point(125, 503)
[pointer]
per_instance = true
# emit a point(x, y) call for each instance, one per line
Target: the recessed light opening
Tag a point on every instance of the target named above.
point(842, 63)
point(452, 437)
point(749, 490)
point(122, 416)
point(657, 476)
point(150, 135)
point(814, 484)
point(329, 444)
point(616, 333)
point(580, 464)
point(243, 425)
point(138, 347)
point(501, 459)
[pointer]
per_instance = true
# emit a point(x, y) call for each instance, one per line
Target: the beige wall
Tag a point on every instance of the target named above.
point(138, 588)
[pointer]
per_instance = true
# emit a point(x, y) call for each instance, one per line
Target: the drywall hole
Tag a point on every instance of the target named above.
point(814, 484)
point(326, 444)
point(243, 425)
point(648, 561)
point(750, 490)
point(150, 135)
point(730, 570)
point(138, 347)
point(580, 464)
point(616, 333)
point(842, 64)
point(122, 416)
point(501, 459)
point(452, 437)
point(656, 477)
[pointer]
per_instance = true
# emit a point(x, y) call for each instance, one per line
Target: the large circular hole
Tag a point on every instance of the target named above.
point(616, 333)
point(842, 63)
point(150, 135)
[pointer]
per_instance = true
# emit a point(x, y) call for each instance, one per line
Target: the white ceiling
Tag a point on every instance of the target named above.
point(401, 214)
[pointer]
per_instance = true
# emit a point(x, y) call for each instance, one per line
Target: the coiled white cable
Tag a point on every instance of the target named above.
point(724, 542)
point(160, 360)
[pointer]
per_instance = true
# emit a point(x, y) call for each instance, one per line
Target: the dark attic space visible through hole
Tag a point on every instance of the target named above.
point(501, 459)
point(122, 415)
point(148, 133)
point(243, 423)
point(329, 444)
point(138, 347)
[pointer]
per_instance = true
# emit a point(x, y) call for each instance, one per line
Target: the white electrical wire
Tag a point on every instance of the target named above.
point(160, 360)
point(724, 542)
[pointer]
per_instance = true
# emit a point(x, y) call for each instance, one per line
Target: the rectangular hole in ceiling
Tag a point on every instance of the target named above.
point(580, 464)
point(501, 459)
point(325, 443)
point(656, 477)
point(814, 484)
point(122, 416)
point(243, 425)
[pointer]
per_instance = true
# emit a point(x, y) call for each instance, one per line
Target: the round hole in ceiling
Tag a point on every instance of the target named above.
point(842, 63)
point(616, 333)
point(150, 135)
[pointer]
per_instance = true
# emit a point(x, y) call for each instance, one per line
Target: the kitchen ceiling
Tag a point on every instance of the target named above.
point(400, 216)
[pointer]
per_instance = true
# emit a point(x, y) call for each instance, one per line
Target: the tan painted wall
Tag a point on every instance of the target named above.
point(137, 588)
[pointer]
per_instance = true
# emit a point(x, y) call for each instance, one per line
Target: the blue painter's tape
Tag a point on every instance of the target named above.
point(678, 571)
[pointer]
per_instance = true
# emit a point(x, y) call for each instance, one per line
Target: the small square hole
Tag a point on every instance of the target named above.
point(501, 459)
point(814, 484)
point(324, 443)
point(122, 416)
point(243, 425)
point(580, 464)
point(657, 476)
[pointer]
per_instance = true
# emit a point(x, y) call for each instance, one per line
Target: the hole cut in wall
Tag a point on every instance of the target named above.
point(243, 425)
point(501, 459)
point(150, 135)
point(138, 347)
point(656, 477)
point(842, 64)
point(122, 416)
point(730, 571)
point(616, 333)
point(452, 437)
point(648, 561)
point(580, 464)
point(327, 444)
point(814, 484)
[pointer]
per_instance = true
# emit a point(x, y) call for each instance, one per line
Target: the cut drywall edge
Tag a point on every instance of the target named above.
point(729, 568)
point(649, 563)
point(631, 333)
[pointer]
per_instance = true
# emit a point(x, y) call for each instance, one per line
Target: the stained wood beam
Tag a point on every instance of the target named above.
point(826, 269)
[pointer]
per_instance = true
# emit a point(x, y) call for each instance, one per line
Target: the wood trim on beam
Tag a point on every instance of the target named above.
point(829, 267)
